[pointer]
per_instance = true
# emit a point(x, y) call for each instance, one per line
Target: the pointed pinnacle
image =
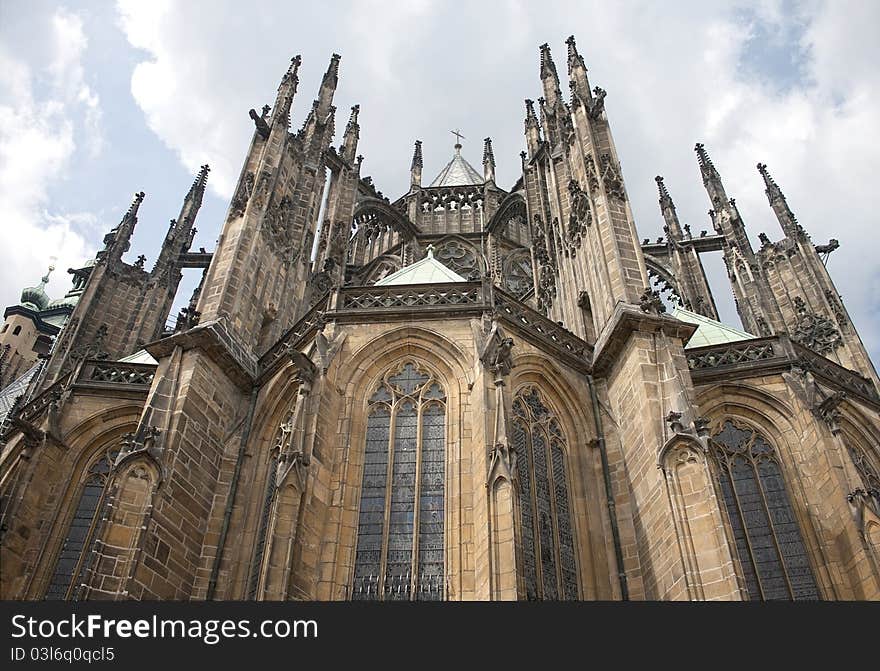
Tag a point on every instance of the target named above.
point(417, 155)
point(333, 68)
point(201, 179)
point(353, 118)
point(773, 190)
point(292, 69)
point(488, 154)
point(574, 58)
point(703, 156)
point(664, 194)
point(548, 68)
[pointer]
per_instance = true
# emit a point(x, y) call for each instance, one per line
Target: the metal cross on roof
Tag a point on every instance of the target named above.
point(458, 136)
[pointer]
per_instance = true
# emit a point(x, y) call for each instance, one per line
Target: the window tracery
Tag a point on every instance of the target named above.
point(400, 541)
point(767, 537)
point(547, 539)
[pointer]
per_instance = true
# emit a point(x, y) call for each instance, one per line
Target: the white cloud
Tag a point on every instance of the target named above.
point(37, 141)
point(675, 73)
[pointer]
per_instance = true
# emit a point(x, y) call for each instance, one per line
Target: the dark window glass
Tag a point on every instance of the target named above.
point(268, 497)
point(69, 565)
point(547, 539)
point(766, 534)
point(400, 543)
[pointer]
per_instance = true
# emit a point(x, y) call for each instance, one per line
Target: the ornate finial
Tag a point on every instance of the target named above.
point(430, 251)
point(44, 280)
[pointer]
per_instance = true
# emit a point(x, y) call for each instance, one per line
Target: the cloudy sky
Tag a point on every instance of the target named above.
point(100, 100)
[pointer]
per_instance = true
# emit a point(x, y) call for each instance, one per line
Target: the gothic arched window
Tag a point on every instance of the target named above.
point(548, 555)
point(400, 537)
point(768, 540)
point(69, 565)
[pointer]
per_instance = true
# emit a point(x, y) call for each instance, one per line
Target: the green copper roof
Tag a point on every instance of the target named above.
point(458, 172)
point(427, 271)
point(36, 298)
point(709, 331)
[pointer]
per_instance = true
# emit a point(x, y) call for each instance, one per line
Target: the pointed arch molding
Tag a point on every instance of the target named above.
point(398, 220)
point(513, 204)
point(708, 563)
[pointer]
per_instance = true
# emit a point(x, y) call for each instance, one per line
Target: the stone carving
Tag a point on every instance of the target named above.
point(517, 274)
point(260, 123)
point(546, 272)
point(673, 418)
point(580, 216)
point(93, 349)
point(729, 354)
point(277, 226)
point(611, 177)
point(592, 174)
point(495, 352)
point(822, 404)
point(317, 287)
point(326, 349)
point(650, 303)
point(814, 331)
point(144, 440)
point(242, 195)
point(861, 499)
point(596, 106)
point(836, 307)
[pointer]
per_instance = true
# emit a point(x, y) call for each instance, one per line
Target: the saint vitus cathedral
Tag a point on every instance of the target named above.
point(467, 393)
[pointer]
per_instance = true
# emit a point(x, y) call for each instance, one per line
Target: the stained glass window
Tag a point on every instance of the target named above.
point(400, 542)
point(262, 531)
point(549, 567)
point(69, 565)
point(766, 534)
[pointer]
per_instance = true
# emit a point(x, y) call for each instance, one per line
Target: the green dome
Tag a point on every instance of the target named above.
point(36, 297)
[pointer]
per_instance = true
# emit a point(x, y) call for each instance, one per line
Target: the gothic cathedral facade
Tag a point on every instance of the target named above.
point(468, 393)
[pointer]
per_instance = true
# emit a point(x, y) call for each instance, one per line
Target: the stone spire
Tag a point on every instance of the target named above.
point(488, 161)
point(118, 240)
point(550, 80)
point(286, 92)
point(577, 70)
point(667, 207)
point(711, 178)
point(181, 232)
point(533, 128)
point(328, 87)
point(348, 148)
point(415, 169)
point(784, 215)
